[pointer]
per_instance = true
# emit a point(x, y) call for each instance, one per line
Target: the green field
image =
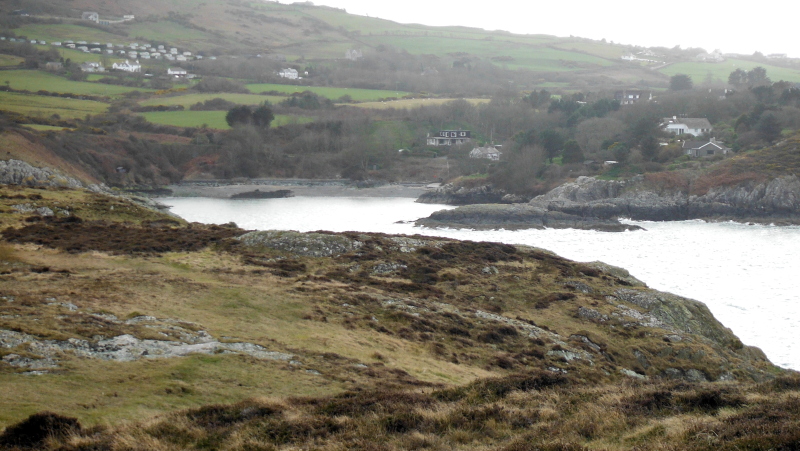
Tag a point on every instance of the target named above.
point(64, 32)
point(33, 80)
point(358, 95)
point(10, 60)
point(522, 55)
point(212, 119)
point(188, 100)
point(603, 50)
point(43, 106)
point(412, 103)
point(720, 71)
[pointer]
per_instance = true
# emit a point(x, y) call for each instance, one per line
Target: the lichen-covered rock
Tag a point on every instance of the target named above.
point(681, 315)
point(305, 244)
point(16, 172)
point(616, 271)
point(459, 195)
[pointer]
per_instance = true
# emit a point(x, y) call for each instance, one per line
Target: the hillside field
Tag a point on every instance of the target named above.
point(45, 106)
point(358, 95)
point(699, 71)
point(33, 80)
point(212, 119)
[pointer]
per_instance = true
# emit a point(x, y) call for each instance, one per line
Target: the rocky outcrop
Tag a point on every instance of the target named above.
point(589, 203)
point(16, 172)
point(43, 354)
point(776, 199)
point(517, 216)
point(304, 244)
point(458, 195)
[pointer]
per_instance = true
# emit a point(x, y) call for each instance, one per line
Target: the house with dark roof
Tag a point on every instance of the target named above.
point(705, 148)
point(694, 126)
point(449, 137)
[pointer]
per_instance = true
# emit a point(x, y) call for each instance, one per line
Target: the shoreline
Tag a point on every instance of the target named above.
point(298, 190)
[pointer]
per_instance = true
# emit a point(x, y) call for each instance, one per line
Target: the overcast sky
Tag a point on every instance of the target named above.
point(767, 26)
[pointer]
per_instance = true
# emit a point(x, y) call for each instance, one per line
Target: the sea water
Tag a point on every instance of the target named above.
point(748, 275)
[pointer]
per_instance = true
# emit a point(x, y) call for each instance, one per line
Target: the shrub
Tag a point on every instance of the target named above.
point(38, 428)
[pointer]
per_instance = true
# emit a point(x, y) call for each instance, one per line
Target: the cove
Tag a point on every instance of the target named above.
point(746, 274)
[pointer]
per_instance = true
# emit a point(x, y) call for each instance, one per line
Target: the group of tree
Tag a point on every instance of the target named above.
point(259, 117)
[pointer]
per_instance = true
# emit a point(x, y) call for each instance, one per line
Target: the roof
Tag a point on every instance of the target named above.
point(488, 150)
point(696, 145)
point(690, 122)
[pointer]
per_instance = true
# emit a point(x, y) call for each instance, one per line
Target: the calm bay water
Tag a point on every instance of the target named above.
point(749, 276)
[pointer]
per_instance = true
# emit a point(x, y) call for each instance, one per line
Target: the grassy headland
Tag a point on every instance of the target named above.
point(390, 341)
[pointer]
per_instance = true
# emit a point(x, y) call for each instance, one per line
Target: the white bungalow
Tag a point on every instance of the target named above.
point(127, 66)
point(177, 72)
point(488, 152)
point(291, 74)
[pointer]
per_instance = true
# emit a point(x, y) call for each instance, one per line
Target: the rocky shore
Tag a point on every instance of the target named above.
point(450, 194)
point(589, 203)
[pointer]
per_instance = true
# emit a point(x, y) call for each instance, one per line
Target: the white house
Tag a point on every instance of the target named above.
point(92, 67)
point(289, 73)
point(488, 152)
point(353, 54)
point(176, 72)
point(91, 16)
point(127, 66)
point(687, 125)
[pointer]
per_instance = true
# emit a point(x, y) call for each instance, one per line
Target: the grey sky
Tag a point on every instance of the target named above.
point(767, 26)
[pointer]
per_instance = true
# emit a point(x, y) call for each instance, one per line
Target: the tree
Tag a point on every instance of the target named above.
point(680, 82)
point(769, 128)
point(552, 141)
point(262, 117)
point(621, 151)
point(239, 115)
point(737, 78)
point(649, 148)
point(572, 152)
point(758, 77)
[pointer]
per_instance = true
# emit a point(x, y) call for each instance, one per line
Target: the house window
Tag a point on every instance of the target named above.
point(710, 152)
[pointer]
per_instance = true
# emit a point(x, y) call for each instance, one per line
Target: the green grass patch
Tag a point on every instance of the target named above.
point(33, 80)
point(45, 106)
point(10, 60)
point(720, 71)
point(358, 95)
point(412, 103)
point(188, 100)
point(212, 119)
